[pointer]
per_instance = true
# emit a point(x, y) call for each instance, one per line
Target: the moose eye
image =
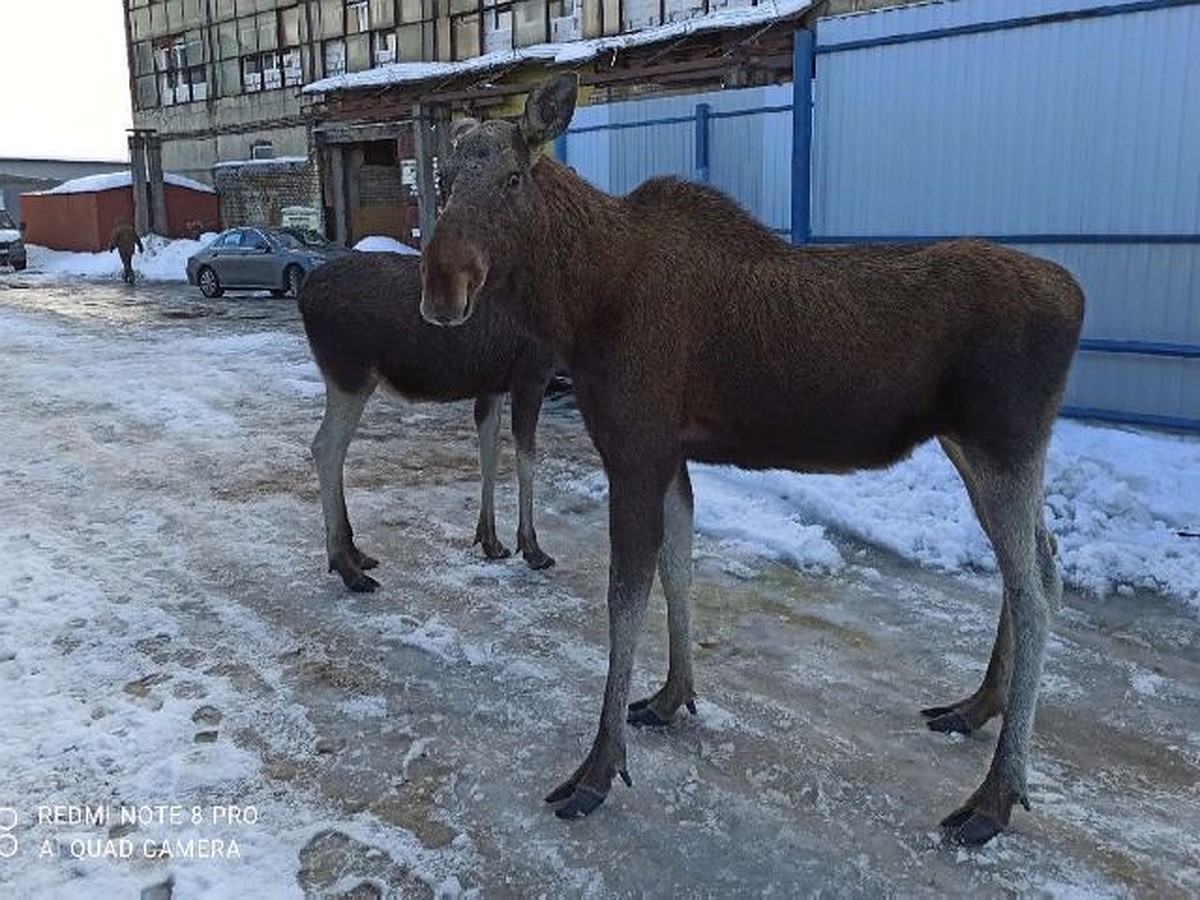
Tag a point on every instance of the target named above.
point(514, 179)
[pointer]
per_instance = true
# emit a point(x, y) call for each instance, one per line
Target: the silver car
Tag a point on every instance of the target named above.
point(258, 258)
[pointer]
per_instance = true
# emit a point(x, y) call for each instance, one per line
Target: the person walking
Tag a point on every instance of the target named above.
point(124, 240)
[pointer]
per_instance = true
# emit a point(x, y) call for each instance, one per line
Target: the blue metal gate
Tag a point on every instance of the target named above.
point(1065, 127)
point(738, 140)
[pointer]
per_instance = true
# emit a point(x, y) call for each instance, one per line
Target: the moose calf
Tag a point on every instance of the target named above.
point(361, 314)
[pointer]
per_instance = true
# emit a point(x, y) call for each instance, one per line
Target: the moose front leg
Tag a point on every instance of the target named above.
point(526, 406)
point(675, 572)
point(487, 425)
point(635, 526)
point(343, 410)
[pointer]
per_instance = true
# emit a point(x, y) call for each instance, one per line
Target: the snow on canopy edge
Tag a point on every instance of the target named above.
point(559, 53)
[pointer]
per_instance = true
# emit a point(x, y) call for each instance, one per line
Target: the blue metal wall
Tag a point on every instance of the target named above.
point(738, 141)
point(1070, 129)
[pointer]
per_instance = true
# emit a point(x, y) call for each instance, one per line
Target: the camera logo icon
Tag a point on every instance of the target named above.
point(8, 841)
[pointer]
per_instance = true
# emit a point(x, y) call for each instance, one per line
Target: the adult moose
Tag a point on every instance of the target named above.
point(361, 314)
point(693, 333)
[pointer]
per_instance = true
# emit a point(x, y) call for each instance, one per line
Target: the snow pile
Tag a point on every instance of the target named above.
point(1120, 502)
point(107, 181)
point(383, 244)
point(163, 260)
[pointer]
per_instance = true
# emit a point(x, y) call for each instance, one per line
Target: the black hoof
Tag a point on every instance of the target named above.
point(951, 722)
point(495, 550)
point(363, 584)
point(934, 712)
point(971, 829)
point(691, 707)
point(641, 715)
point(537, 560)
point(367, 562)
point(582, 802)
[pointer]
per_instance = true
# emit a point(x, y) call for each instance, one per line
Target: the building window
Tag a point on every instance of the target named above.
point(293, 67)
point(262, 150)
point(179, 69)
point(497, 25)
point(358, 17)
point(270, 71)
point(384, 47)
point(335, 57)
point(464, 35)
point(252, 79)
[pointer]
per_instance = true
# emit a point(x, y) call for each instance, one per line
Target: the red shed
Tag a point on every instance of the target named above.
point(81, 214)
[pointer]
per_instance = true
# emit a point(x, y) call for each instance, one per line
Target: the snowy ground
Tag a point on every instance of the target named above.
point(161, 259)
point(168, 638)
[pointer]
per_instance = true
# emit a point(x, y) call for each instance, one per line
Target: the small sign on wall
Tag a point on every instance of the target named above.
point(299, 217)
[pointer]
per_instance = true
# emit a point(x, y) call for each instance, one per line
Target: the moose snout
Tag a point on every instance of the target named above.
point(450, 283)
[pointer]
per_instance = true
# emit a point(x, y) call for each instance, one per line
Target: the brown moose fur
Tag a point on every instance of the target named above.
point(691, 332)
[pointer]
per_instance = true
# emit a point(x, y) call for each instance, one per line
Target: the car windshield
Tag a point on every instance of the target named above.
point(288, 240)
point(307, 236)
point(6, 220)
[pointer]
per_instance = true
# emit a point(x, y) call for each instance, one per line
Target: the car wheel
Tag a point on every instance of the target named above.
point(210, 285)
point(293, 278)
point(18, 267)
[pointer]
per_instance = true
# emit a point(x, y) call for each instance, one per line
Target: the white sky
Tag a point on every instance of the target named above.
point(66, 93)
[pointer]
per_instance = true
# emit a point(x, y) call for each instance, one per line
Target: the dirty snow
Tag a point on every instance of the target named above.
point(162, 260)
point(168, 635)
point(384, 244)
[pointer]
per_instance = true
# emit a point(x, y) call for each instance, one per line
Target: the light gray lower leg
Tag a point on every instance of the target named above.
point(526, 407)
point(675, 573)
point(487, 424)
point(342, 414)
point(1013, 498)
point(635, 534)
point(970, 713)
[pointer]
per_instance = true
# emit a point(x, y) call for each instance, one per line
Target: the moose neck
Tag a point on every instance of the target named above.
point(573, 251)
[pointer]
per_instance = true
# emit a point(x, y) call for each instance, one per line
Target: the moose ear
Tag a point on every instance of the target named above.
point(459, 127)
point(549, 109)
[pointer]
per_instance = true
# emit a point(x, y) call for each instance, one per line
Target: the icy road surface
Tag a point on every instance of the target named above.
point(170, 642)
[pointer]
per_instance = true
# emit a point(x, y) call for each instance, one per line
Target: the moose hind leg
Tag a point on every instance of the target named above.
point(970, 713)
point(1012, 496)
point(487, 424)
point(675, 572)
point(343, 410)
point(526, 407)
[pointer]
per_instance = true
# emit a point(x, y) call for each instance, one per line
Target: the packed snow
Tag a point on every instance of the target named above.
point(383, 244)
point(1123, 503)
point(561, 53)
point(107, 181)
point(161, 260)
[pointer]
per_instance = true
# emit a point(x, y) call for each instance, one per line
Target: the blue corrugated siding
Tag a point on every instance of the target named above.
point(748, 154)
point(1087, 126)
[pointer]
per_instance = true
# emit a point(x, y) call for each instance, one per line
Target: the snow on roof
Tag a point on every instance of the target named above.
point(559, 54)
point(271, 161)
point(108, 181)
